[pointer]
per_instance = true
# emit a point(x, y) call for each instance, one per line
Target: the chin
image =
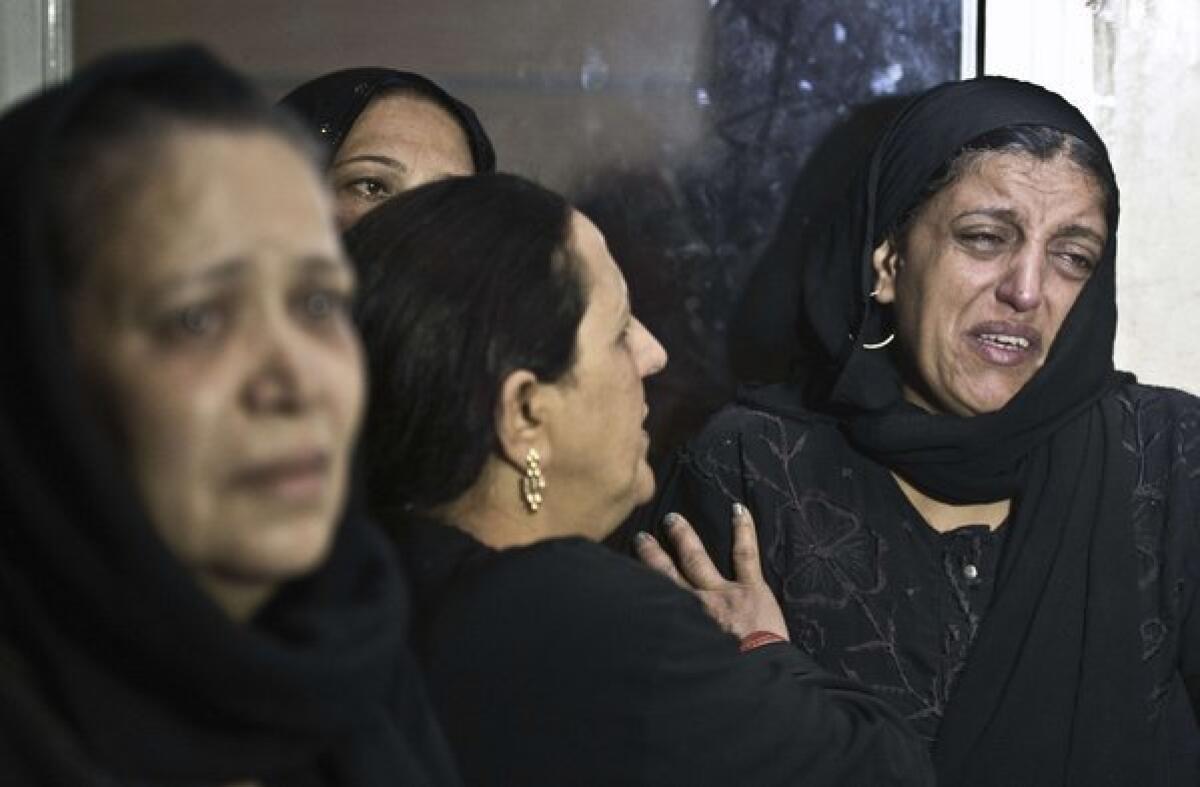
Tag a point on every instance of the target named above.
point(646, 485)
point(283, 551)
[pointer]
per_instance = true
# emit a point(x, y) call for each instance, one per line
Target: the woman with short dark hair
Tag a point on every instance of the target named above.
point(504, 439)
point(188, 595)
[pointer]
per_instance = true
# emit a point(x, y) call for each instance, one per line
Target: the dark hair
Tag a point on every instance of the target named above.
point(1041, 142)
point(464, 281)
point(109, 144)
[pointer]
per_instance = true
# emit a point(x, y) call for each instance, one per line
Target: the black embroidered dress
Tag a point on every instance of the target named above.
point(870, 591)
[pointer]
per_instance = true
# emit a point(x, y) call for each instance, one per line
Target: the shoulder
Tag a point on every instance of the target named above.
point(770, 418)
point(1166, 405)
point(575, 567)
point(1161, 423)
point(763, 408)
point(571, 589)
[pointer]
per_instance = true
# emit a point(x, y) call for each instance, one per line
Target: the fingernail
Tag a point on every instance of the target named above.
point(670, 520)
point(739, 510)
point(641, 537)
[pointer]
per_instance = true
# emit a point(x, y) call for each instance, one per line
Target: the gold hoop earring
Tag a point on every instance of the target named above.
point(532, 483)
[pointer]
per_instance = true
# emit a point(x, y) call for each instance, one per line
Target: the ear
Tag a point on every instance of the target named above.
point(521, 417)
point(887, 263)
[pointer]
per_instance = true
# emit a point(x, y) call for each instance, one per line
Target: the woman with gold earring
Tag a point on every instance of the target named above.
point(504, 440)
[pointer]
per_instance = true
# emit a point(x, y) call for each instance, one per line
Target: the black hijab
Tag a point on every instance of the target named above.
point(1053, 692)
point(113, 664)
point(330, 104)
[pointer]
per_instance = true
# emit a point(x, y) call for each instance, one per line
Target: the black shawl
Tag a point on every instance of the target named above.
point(113, 664)
point(330, 104)
point(1051, 693)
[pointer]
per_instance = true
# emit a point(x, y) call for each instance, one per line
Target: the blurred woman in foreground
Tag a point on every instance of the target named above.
point(504, 439)
point(184, 598)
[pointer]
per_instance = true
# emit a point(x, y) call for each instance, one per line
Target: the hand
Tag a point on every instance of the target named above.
point(741, 606)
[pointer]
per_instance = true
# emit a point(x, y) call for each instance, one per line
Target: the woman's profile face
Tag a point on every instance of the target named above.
point(211, 325)
point(598, 441)
point(400, 141)
point(991, 266)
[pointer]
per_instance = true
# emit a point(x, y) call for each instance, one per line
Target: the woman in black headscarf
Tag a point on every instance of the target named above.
point(186, 597)
point(385, 131)
point(981, 519)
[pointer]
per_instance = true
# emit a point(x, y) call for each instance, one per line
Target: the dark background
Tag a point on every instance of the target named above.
point(701, 135)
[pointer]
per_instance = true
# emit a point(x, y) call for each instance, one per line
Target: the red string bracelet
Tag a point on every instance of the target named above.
point(756, 639)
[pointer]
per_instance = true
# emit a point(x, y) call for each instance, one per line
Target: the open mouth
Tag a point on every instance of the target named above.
point(1006, 344)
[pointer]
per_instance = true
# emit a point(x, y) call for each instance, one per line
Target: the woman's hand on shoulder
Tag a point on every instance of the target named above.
point(742, 606)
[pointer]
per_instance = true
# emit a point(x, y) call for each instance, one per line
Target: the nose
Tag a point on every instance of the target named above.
point(279, 380)
point(650, 355)
point(1021, 287)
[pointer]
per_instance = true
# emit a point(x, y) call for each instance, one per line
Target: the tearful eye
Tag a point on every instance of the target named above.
point(322, 304)
point(982, 240)
point(197, 321)
point(1080, 264)
point(626, 334)
point(369, 189)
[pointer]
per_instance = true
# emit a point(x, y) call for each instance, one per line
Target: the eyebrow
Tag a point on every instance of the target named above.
point(373, 158)
point(233, 269)
point(1080, 231)
point(1066, 231)
point(217, 274)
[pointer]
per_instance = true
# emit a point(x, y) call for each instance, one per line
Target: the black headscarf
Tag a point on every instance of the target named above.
point(1052, 693)
point(113, 663)
point(330, 104)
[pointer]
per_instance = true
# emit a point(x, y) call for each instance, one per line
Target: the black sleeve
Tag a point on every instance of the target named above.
point(768, 717)
point(582, 667)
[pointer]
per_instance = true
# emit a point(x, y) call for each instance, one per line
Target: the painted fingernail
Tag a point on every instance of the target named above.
point(670, 520)
point(739, 510)
point(642, 537)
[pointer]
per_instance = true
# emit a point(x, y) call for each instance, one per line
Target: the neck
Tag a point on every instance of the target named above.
point(492, 512)
point(944, 517)
point(239, 599)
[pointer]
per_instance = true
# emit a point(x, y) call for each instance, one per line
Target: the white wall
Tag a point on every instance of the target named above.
point(1133, 67)
point(35, 45)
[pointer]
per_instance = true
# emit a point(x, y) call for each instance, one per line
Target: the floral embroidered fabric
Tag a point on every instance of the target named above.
point(870, 591)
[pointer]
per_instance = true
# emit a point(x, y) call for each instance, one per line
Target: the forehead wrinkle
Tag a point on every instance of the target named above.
point(406, 116)
point(229, 270)
point(372, 158)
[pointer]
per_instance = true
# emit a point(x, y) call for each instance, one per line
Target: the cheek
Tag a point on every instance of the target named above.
point(343, 373)
point(173, 416)
point(1060, 299)
point(172, 425)
point(348, 210)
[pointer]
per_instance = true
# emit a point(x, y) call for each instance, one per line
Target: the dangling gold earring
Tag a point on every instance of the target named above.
point(532, 483)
